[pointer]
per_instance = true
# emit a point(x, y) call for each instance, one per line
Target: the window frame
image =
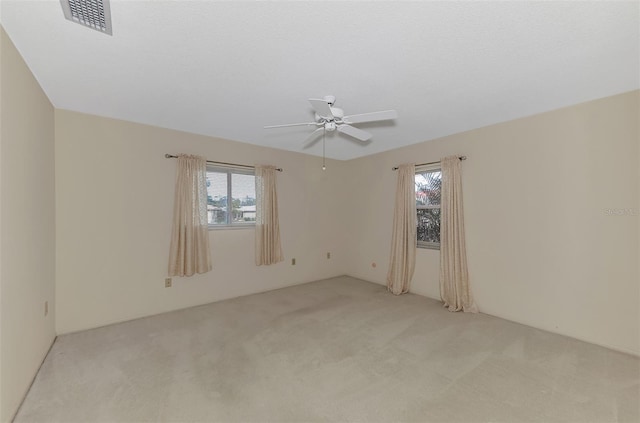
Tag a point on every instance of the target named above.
point(230, 171)
point(424, 244)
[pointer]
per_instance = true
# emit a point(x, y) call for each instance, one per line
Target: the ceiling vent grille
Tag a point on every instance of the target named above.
point(95, 14)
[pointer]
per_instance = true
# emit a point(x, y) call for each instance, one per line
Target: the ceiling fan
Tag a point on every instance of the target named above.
point(329, 118)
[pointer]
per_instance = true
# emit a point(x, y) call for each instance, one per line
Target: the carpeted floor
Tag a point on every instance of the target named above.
point(335, 350)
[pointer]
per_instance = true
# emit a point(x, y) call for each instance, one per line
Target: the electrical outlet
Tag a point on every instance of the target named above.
point(328, 255)
point(46, 308)
point(167, 283)
point(293, 262)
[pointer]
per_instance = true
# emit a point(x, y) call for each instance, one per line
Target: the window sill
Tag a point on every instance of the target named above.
point(429, 246)
point(232, 227)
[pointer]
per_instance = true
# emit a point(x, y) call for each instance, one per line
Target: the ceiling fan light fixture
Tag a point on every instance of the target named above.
point(95, 14)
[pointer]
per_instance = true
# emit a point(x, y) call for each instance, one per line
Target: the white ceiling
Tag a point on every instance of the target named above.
point(226, 69)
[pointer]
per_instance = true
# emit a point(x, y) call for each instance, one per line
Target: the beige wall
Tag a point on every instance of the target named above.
point(114, 203)
point(542, 249)
point(27, 224)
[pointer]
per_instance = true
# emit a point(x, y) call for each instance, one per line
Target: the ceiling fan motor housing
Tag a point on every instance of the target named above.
point(337, 113)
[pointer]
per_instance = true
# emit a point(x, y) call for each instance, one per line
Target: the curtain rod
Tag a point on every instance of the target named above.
point(171, 156)
point(430, 163)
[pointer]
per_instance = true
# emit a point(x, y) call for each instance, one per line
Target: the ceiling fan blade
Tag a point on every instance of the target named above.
point(290, 124)
point(312, 138)
point(371, 117)
point(354, 132)
point(322, 108)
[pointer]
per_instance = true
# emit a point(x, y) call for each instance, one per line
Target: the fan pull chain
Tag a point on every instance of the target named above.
point(324, 167)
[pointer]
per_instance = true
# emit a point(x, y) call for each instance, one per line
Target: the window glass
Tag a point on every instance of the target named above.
point(231, 197)
point(428, 185)
point(243, 188)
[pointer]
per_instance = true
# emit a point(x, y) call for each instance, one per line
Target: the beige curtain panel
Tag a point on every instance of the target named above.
point(403, 241)
point(454, 276)
point(189, 252)
point(268, 247)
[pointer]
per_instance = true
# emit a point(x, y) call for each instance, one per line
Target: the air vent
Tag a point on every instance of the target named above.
point(92, 13)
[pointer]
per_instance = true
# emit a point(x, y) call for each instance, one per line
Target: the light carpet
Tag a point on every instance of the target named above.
point(337, 350)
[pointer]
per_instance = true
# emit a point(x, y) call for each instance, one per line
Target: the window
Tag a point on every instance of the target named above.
point(231, 197)
point(428, 183)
